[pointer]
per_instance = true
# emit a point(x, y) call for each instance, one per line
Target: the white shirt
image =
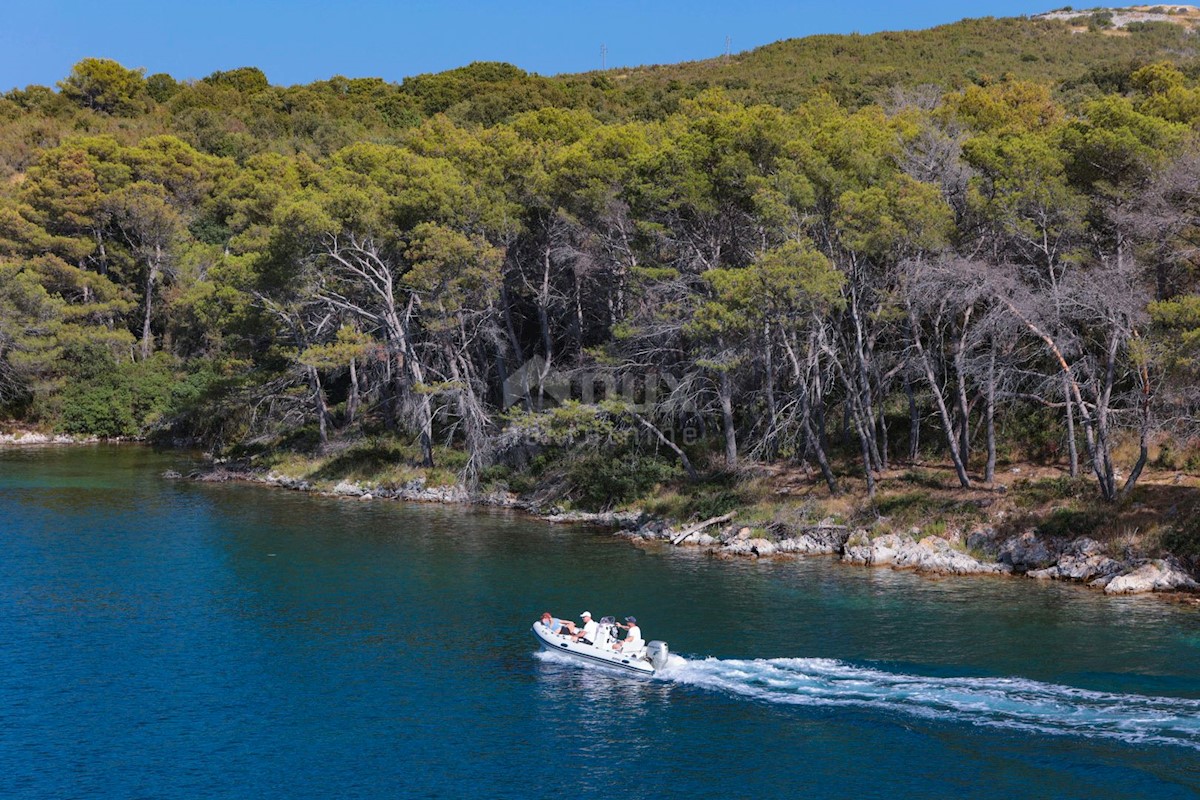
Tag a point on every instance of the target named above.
point(591, 629)
point(633, 638)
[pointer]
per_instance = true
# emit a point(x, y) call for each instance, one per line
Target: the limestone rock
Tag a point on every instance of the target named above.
point(821, 539)
point(751, 547)
point(861, 549)
point(931, 554)
point(1160, 575)
point(1027, 552)
point(1082, 560)
point(936, 554)
point(983, 540)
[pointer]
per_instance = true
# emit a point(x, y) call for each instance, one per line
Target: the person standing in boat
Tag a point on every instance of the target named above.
point(633, 636)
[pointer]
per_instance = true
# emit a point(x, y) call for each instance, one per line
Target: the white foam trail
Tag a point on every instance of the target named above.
point(1014, 703)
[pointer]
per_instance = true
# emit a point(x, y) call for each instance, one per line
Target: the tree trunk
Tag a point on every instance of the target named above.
point(914, 422)
point(964, 410)
point(319, 405)
point(1072, 447)
point(354, 399)
point(772, 408)
point(676, 449)
point(726, 392)
point(147, 337)
point(959, 468)
point(814, 441)
point(989, 471)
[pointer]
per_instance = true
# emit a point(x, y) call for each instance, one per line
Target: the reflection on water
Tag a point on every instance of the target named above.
point(601, 697)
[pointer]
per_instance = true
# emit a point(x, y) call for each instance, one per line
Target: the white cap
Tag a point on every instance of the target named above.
point(586, 614)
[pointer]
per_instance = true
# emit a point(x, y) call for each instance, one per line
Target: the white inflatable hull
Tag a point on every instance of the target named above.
point(614, 659)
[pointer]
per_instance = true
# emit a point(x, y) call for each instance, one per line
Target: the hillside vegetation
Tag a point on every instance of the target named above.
point(829, 260)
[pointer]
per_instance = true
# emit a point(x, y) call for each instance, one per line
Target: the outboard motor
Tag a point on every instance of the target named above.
point(658, 654)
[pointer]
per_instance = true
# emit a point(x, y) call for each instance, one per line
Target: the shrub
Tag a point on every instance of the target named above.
point(106, 398)
point(602, 479)
point(937, 528)
point(1183, 540)
point(1044, 490)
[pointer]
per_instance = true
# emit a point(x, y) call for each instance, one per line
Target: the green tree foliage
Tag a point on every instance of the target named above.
point(777, 251)
point(103, 85)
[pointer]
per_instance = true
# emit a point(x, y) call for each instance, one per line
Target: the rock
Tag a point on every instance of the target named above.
point(857, 548)
point(1084, 560)
point(931, 554)
point(750, 547)
point(172, 475)
point(1160, 575)
point(704, 540)
point(761, 547)
point(619, 519)
point(347, 489)
point(861, 549)
point(366, 496)
point(1027, 552)
point(744, 533)
point(936, 554)
point(825, 538)
point(983, 541)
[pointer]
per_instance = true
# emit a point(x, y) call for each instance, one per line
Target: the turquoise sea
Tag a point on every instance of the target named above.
point(166, 639)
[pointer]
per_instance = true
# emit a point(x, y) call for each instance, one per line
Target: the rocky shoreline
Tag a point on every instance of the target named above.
point(981, 552)
point(22, 438)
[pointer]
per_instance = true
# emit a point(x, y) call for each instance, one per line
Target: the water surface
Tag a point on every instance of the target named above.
point(163, 638)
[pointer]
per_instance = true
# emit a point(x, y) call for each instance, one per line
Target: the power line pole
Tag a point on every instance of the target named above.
point(728, 46)
point(603, 57)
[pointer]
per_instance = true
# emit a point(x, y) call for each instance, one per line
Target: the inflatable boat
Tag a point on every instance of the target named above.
point(644, 661)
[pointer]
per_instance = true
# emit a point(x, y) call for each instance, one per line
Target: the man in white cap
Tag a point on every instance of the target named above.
point(587, 634)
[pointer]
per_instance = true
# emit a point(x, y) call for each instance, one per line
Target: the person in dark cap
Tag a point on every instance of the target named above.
point(633, 636)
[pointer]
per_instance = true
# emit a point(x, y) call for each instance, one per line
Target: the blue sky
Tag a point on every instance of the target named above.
point(304, 40)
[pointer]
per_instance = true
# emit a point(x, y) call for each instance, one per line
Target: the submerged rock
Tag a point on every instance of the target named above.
point(1159, 575)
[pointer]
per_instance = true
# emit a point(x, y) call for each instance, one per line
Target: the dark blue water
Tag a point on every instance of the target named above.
point(169, 639)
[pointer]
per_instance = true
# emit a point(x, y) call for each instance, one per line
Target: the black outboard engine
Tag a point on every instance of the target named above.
point(658, 654)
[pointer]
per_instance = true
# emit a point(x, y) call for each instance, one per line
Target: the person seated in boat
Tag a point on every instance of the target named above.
point(590, 631)
point(633, 637)
point(553, 624)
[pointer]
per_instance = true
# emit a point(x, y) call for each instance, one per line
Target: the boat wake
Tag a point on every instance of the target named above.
point(1014, 703)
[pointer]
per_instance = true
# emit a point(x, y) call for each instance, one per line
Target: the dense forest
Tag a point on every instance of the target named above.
point(768, 260)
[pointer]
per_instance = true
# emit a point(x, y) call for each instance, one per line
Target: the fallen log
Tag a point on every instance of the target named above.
point(692, 531)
